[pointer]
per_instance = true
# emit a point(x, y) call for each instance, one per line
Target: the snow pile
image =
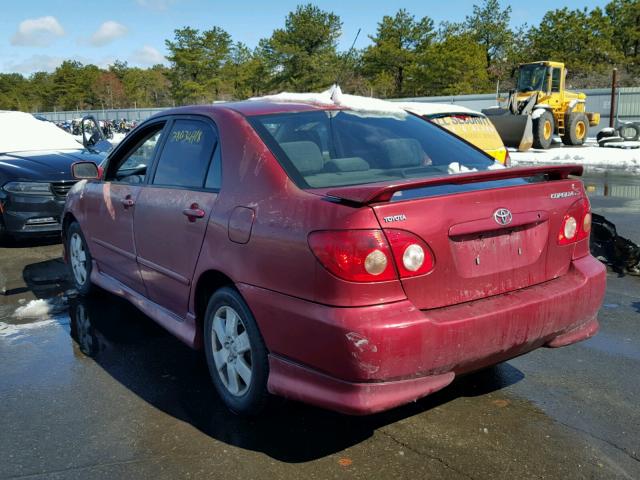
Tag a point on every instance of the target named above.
point(334, 97)
point(591, 156)
point(21, 132)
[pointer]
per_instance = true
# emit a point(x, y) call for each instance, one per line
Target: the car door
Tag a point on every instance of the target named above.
point(172, 211)
point(112, 205)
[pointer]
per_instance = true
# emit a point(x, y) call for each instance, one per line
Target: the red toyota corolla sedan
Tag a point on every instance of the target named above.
point(352, 259)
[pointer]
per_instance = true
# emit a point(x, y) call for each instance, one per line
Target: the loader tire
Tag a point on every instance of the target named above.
point(576, 129)
point(543, 128)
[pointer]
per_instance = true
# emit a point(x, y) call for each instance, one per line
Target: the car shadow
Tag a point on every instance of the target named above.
point(46, 279)
point(173, 378)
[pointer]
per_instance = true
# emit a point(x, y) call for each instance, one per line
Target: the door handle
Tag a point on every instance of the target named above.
point(128, 201)
point(193, 212)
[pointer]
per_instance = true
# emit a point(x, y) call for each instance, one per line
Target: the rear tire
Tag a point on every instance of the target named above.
point(576, 129)
point(543, 128)
point(80, 262)
point(236, 354)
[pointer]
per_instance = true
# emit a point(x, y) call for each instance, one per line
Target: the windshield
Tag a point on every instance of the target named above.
point(531, 77)
point(336, 148)
point(23, 132)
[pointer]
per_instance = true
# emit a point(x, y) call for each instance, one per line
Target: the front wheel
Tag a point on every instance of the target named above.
point(236, 354)
point(543, 128)
point(79, 259)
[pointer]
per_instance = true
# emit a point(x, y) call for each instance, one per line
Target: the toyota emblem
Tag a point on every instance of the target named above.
point(502, 216)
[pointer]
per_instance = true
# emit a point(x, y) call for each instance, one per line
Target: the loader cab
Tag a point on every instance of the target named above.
point(545, 77)
point(532, 77)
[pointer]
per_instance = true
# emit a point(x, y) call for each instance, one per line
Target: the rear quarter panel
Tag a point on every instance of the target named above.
point(277, 256)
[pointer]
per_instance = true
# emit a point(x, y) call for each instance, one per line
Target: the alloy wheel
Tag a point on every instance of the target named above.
point(232, 351)
point(78, 258)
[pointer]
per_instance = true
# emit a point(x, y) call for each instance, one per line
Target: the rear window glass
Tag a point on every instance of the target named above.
point(336, 148)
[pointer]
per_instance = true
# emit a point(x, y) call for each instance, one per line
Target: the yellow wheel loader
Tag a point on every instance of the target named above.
point(540, 107)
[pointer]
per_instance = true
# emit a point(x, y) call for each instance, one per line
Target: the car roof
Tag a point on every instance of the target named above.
point(249, 108)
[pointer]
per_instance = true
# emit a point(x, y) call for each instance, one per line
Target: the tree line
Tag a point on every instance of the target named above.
point(406, 57)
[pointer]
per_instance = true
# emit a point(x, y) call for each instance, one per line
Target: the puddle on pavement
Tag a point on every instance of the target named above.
point(612, 185)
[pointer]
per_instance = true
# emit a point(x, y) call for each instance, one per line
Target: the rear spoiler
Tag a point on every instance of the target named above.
point(374, 193)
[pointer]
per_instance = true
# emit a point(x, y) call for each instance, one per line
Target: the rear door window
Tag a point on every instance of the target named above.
point(214, 177)
point(186, 155)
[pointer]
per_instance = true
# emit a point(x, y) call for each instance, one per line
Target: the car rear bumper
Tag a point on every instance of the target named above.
point(366, 359)
point(32, 214)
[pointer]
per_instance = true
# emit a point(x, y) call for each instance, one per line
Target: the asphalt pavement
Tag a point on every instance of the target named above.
point(94, 389)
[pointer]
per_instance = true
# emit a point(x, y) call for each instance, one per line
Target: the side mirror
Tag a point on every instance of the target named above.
point(85, 171)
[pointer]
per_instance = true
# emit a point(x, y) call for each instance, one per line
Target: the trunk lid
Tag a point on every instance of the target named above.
point(475, 255)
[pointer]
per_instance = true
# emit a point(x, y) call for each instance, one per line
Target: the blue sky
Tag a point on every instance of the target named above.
point(39, 34)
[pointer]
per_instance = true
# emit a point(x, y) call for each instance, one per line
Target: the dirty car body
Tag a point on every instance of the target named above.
point(380, 256)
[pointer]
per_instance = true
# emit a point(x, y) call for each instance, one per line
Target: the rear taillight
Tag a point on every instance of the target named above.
point(576, 224)
point(412, 255)
point(354, 255)
point(369, 256)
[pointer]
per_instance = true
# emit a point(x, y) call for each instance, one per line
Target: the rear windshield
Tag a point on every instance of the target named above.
point(332, 148)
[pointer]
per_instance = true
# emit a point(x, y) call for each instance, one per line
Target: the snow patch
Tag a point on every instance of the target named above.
point(537, 113)
point(12, 330)
point(335, 97)
point(591, 156)
point(117, 138)
point(23, 132)
point(456, 167)
point(34, 309)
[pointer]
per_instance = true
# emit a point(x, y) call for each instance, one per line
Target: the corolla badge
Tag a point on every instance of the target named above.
point(502, 216)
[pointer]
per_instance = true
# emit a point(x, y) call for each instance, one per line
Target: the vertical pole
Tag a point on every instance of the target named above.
point(612, 111)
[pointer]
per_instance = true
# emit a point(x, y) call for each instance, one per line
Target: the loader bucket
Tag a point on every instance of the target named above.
point(516, 131)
